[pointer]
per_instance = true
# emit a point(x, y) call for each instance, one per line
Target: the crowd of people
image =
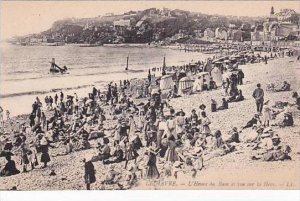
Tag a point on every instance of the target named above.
point(145, 139)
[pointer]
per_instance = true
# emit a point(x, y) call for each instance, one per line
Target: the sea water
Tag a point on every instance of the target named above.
point(25, 69)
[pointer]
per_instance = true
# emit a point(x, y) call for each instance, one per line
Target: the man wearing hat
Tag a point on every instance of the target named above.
point(258, 95)
point(288, 120)
point(234, 136)
point(254, 121)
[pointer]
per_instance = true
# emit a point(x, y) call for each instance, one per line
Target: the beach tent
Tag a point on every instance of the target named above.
point(200, 79)
point(217, 76)
point(166, 82)
point(185, 85)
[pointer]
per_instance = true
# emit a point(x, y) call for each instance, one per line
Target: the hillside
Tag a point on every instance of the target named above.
point(150, 25)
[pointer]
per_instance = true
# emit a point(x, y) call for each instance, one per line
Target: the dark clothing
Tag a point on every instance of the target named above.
point(9, 169)
point(224, 106)
point(89, 175)
point(234, 138)
point(45, 158)
point(259, 106)
point(152, 171)
point(119, 154)
point(8, 146)
point(288, 121)
point(298, 103)
point(250, 123)
point(240, 77)
point(258, 94)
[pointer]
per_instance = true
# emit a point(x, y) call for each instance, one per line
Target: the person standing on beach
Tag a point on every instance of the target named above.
point(7, 115)
point(258, 94)
point(50, 102)
point(55, 99)
point(61, 96)
point(240, 77)
point(266, 59)
point(1, 117)
point(89, 172)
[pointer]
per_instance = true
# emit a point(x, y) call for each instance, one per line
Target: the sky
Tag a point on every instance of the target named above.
point(26, 17)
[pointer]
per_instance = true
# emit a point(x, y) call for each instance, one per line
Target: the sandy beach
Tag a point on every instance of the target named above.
point(233, 170)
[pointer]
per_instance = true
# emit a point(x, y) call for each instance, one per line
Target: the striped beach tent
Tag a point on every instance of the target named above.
point(185, 85)
point(166, 82)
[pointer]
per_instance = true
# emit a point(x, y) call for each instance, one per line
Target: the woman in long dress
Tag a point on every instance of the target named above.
point(44, 148)
point(162, 127)
point(152, 171)
point(132, 126)
point(130, 153)
point(171, 154)
point(171, 125)
point(180, 121)
point(204, 128)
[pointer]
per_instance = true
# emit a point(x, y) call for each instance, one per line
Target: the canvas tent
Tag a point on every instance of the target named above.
point(185, 85)
point(200, 79)
point(217, 76)
point(166, 82)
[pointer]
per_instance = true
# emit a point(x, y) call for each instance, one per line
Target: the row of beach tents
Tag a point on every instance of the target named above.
point(193, 83)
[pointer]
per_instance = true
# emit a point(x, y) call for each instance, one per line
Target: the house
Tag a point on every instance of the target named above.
point(122, 23)
point(275, 27)
point(208, 33)
point(237, 35)
point(285, 15)
point(221, 33)
point(198, 33)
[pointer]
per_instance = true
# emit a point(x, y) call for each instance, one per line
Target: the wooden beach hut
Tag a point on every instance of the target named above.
point(185, 86)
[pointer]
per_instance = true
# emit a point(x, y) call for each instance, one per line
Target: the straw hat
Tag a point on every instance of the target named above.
point(268, 130)
point(264, 135)
point(196, 150)
point(235, 129)
point(275, 137)
point(44, 141)
point(177, 164)
point(202, 106)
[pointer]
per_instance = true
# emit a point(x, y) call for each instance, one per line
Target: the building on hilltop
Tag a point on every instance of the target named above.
point(221, 33)
point(208, 33)
point(285, 14)
point(275, 27)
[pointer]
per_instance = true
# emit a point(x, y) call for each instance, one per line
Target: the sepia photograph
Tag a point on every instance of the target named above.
point(149, 95)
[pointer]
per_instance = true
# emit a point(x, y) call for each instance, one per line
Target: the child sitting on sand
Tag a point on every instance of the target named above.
point(10, 167)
